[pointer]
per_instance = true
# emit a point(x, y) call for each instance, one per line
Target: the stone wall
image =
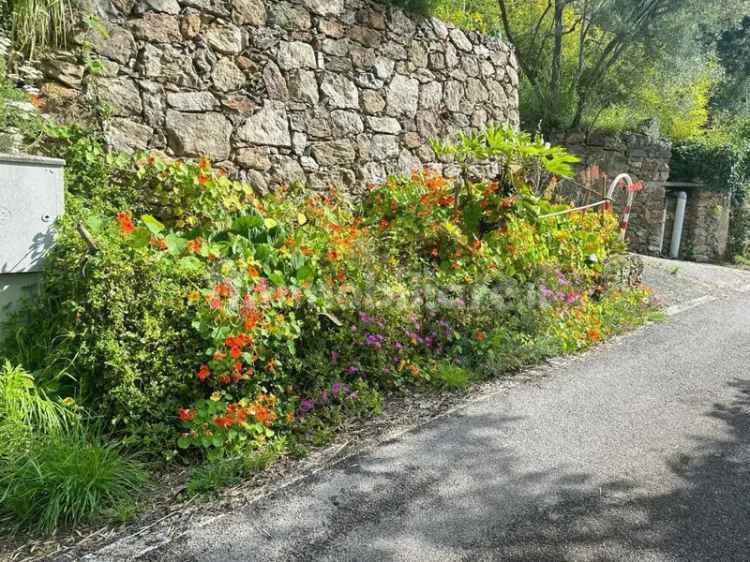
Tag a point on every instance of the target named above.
point(327, 91)
point(646, 158)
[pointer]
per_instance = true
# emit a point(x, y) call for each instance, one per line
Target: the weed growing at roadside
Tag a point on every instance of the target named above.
point(452, 377)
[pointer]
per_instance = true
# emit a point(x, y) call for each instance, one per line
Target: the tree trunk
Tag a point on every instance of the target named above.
point(553, 110)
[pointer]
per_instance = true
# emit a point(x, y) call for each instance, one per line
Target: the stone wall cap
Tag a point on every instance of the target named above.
point(31, 159)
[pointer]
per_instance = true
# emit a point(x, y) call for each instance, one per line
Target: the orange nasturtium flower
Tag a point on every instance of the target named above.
point(158, 243)
point(194, 245)
point(594, 334)
point(223, 421)
point(185, 415)
point(126, 223)
point(223, 289)
point(203, 372)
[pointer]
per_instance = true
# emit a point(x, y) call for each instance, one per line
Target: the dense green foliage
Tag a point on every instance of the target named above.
point(733, 50)
point(721, 166)
point(241, 319)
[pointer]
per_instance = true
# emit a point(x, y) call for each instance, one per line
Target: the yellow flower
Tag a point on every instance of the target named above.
point(68, 402)
point(243, 402)
point(216, 396)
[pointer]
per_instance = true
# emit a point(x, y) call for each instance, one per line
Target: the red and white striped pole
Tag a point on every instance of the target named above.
point(632, 189)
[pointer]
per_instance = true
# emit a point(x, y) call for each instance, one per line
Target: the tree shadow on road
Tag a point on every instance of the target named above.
point(490, 511)
point(705, 517)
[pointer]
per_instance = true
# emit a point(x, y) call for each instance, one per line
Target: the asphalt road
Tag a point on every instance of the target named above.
point(639, 450)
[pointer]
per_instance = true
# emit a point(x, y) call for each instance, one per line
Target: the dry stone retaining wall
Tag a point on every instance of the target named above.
point(327, 91)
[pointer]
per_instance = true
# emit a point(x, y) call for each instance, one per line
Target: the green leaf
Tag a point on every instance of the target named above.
point(269, 223)
point(94, 222)
point(175, 244)
point(472, 217)
point(306, 273)
point(262, 252)
point(297, 259)
point(245, 225)
point(191, 264)
point(152, 224)
point(277, 278)
point(183, 442)
point(139, 238)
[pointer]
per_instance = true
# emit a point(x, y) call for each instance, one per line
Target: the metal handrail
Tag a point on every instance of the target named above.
point(625, 219)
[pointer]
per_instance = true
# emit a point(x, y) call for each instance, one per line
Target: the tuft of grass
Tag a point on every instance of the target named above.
point(123, 511)
point(64, 480)
point(207, 479)
point(453, 377)
point(37, 25)
point(26, 410)
point(211, 477)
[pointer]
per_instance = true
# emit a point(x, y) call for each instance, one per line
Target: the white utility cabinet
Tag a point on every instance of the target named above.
point(31, 198)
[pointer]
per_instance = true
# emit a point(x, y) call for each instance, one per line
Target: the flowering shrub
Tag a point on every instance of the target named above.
point(219, 321)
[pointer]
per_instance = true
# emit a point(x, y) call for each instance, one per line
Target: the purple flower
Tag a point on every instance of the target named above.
point(324, 396)
point(364, 318)
point(351, 370)
point(306, 405)
point(353, 396)
point(335, 357)
point(398, 346)
point(339, 389)
point(375, 340)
